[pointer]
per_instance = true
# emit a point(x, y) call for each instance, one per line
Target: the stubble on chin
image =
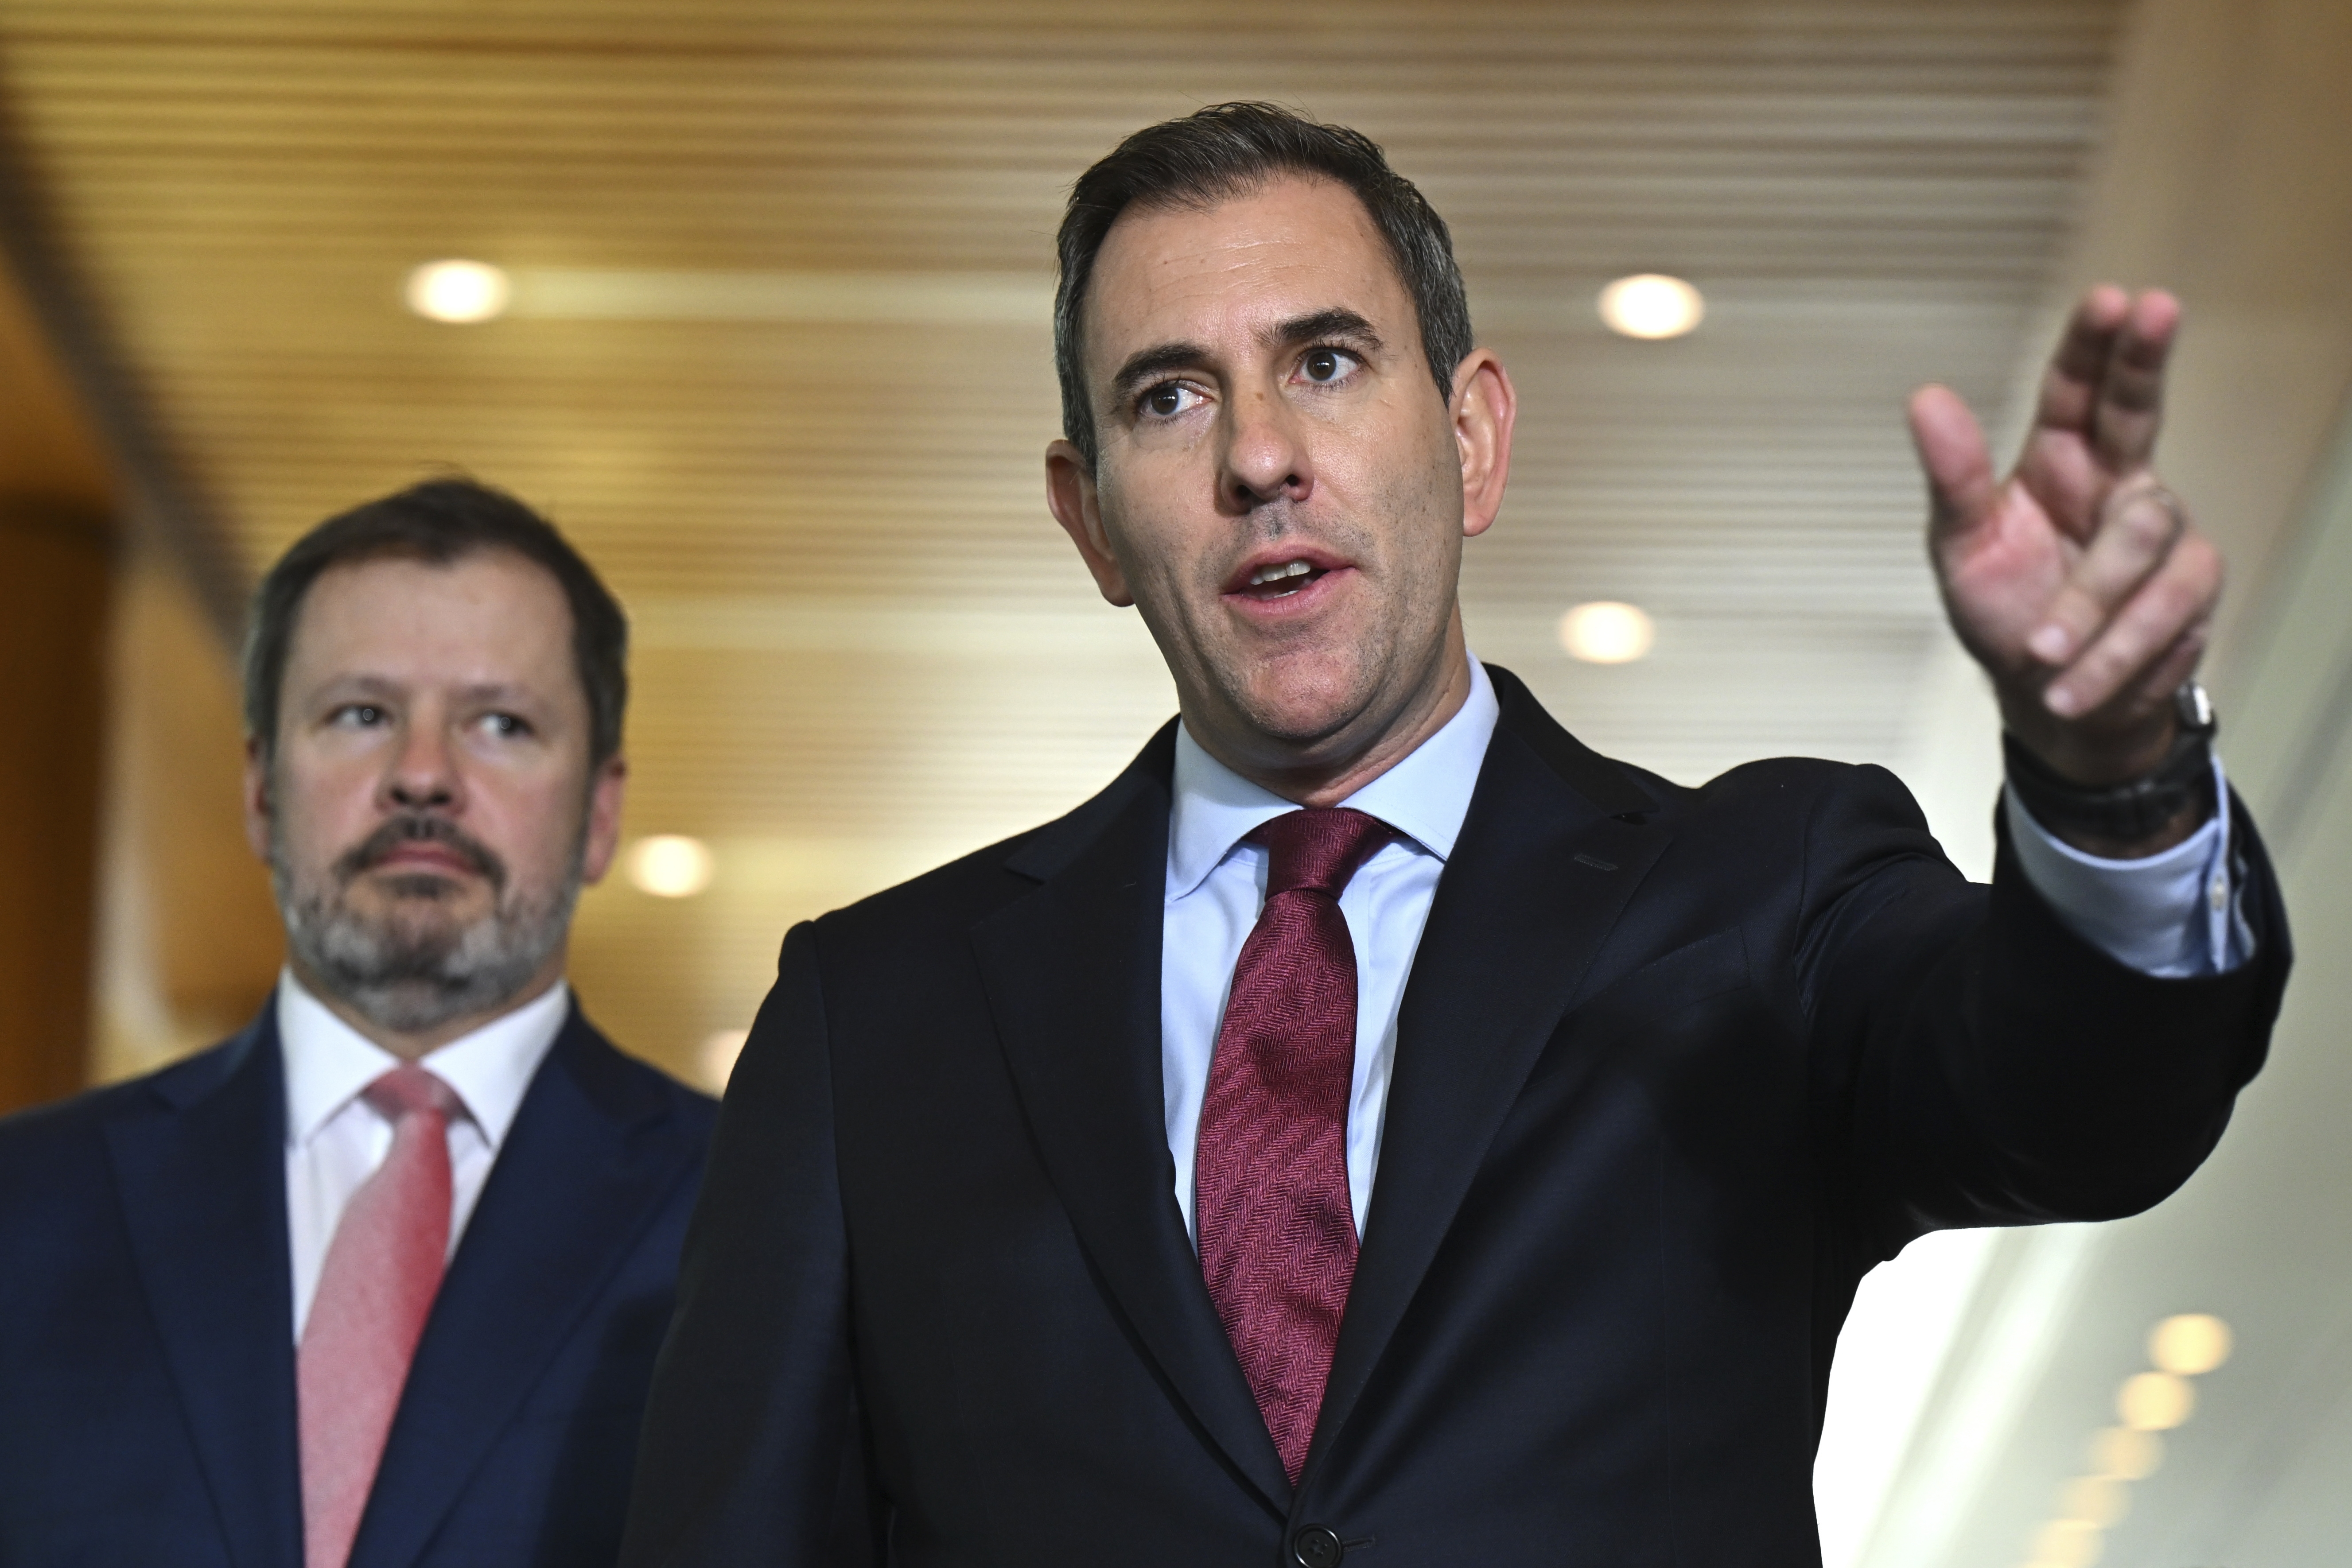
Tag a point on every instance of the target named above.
point(414, 962)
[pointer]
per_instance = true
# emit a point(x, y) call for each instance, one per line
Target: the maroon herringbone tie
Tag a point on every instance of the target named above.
point(1270, 1188)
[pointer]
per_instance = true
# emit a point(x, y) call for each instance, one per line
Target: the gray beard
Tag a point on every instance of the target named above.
point(415, 970)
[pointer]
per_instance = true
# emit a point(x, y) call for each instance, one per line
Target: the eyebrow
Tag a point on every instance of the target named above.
point(1148, 365)
point(1335, 323)
point(344, 687)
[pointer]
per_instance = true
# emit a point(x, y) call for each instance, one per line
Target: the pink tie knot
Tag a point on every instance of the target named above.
point(407, 1090)
point(1318, 849)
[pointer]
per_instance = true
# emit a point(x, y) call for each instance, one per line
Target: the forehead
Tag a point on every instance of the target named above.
point(1286, 248)
point(488, 616)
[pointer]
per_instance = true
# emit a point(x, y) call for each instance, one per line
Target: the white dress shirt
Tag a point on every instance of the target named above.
point(2164, 915)
point(335, 1140)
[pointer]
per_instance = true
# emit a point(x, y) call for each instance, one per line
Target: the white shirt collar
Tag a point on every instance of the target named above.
point(327, 1061)
point(1425, 796)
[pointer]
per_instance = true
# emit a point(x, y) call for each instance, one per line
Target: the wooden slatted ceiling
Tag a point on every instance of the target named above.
point(862, 643)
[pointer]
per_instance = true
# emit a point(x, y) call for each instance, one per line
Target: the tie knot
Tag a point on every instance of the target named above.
point(1318, 848)
point(408, 1089)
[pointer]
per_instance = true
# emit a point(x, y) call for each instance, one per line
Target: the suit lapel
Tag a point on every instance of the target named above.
point(202, 1181)
point(1072, 972)
point(1549, 857)
point(592, 1152)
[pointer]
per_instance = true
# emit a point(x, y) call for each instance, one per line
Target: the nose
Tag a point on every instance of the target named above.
point(424, 774)
point(1265, 456)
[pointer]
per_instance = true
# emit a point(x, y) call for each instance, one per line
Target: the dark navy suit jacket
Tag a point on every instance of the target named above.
point(1673, 1067)
point(147, 1403)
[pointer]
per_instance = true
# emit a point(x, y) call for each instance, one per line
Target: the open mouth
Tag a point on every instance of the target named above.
point(1282, 578)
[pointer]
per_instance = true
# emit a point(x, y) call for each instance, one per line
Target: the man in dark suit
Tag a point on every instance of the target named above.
point(381, 1279)
point(1377, 1126)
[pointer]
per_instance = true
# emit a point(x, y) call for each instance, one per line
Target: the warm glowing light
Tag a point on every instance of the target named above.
point(717, 1057)
point(2094, 1499)
point(670, 865)
point(457, 291)
point(2068, 1544)
point(1606, 633)
point(2126, 1455)
point(1651, 305)
point(2154, 1401)
point(2188, 1345)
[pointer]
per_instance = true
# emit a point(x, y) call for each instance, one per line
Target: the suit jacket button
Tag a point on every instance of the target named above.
point(1317, 1546)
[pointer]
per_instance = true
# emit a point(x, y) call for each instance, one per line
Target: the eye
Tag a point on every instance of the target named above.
point(1324, 366)
point(1169, 399)
point(504, 725)
point(358, 715)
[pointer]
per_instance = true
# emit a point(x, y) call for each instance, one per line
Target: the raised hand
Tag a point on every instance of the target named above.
point(2078, 581)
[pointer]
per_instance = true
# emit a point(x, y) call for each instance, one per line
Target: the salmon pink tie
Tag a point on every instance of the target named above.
point(1277, 1235)
point(374, 1289)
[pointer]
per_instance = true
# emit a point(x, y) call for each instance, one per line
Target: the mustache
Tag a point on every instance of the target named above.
point(409, 830)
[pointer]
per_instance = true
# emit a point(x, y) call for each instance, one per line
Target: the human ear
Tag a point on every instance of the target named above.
point(602, 836)
point(1076, 505)
point(1483, 409)
point(257, 804)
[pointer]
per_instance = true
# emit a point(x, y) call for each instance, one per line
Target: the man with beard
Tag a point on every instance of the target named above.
point(379, 1282)
point(1376, 1124)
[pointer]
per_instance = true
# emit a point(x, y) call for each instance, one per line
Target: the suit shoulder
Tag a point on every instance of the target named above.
point(631, 1084)
point(947, 900)
point(975, 883)
point(1792, 787)
point(38, 1137)
point(697, 1109)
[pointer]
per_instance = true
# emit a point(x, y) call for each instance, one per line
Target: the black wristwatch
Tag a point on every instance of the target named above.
point(2137, 808)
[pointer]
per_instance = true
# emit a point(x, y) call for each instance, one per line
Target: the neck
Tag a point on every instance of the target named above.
point(414, 1045)
point(1323, 779)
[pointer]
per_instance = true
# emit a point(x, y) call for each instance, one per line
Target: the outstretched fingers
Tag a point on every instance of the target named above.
point(2131, 394)
point(1960, 484)
point(2061, 465)
point(2070, 387)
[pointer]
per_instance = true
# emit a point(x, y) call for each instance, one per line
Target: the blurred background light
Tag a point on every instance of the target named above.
point(457, 291)
point(2189, 1345)
point(1651, 305)
point(670, 865)
point(2154, 1401)
point(2098, 1500)
point(2125, 1454)
point(2067, 1543)
point(1606, 632)
point(717, 1058)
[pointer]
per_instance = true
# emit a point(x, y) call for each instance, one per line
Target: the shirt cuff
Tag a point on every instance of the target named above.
point(2173, 915)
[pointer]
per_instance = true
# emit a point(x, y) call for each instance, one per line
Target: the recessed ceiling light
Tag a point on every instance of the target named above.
point(2154, 1401)
point(2126, 1455)
point(2189, 1345)
point(1606, 633)
point(2067, 1543)
point(670, 865)
point(2099, 1500)
point(1651, 305)
point(458, 290)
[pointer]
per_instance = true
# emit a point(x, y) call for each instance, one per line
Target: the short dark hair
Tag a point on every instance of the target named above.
point(1226, 151)
point(440, 522)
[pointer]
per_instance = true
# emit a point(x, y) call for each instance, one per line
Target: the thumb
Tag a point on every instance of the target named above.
point(1960, 487)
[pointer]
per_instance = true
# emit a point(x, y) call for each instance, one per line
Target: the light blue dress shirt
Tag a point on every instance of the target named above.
point(2171, 914)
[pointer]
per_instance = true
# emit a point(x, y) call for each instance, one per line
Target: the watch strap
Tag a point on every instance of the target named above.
point(2135, 809)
